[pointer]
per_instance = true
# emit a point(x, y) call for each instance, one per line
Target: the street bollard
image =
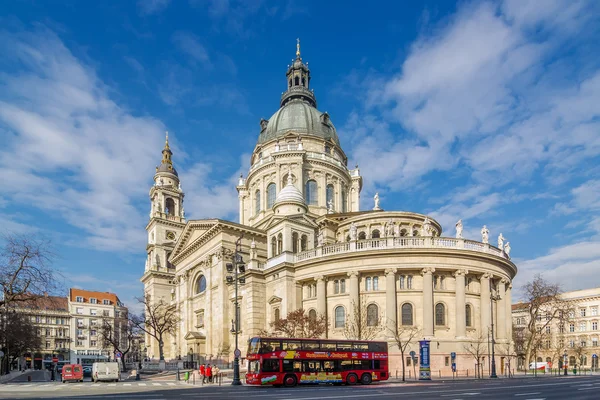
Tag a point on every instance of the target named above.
point(194, 378)
point(137, 375)
point(177, 378)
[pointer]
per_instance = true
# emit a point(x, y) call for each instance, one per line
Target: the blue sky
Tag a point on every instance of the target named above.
point(485, 111)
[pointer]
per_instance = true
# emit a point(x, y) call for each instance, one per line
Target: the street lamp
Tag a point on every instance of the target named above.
point(492, 298)
point(565, 361)
point(237, 270)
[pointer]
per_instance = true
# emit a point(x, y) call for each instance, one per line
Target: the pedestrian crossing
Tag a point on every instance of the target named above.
point(88, 386)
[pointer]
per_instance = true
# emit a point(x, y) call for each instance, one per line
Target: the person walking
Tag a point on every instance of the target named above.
point(203, 373)
point(209, 373)
point(215, 372)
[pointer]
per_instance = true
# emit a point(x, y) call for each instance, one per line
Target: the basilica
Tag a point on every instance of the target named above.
point(307, 244)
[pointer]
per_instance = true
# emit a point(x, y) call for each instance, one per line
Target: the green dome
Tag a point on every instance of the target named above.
point(301, 118)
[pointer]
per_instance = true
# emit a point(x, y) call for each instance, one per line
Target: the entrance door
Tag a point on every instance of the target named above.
point(501, 365)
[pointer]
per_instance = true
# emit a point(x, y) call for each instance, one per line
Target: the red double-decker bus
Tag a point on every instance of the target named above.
point(288, 362)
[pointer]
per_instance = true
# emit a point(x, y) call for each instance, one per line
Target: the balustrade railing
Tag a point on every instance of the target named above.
point(406, 242)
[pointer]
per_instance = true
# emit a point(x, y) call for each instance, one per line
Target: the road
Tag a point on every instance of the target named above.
point(548, 388)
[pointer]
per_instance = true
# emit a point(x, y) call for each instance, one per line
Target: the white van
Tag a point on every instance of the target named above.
point(105, 371)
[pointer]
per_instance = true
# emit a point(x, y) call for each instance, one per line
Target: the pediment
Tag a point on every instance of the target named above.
point(297, 219)
point(274, 300)
point(193, 230)
point(191, 335)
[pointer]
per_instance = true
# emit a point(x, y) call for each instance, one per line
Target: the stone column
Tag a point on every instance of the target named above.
point(509, 312)
point(354, 292)
point(241, 198)
point(390, 301)
point(461, 318)
point(427, 301)
point(501, 311)
point(485, 304)
point(321, 295)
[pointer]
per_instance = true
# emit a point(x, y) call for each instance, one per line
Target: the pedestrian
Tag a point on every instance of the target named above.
point(215, 372)
point(203, 373)
point(209, 373)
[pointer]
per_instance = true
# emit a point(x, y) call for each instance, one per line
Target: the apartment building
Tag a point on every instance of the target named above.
point(89, 310)
point(577, 335)
point(52, 322)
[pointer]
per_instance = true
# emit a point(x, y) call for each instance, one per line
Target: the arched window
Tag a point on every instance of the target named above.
point(277, 314)
point(342, 286)
point(279, 243)
point(311, 192)
point(344, 201)
point(347, 238)
point(271, 194)
point(403, 232)
point(468, 315)
point(257, 202)
point(303, 81)
point(169, 207)
point(440, 314)
point(401, 281)
point(336, 287)
point(295, 242)
point(372, 315)
point(273, 246)
point(362, 236)
point(290, 82)
point(340, 317)
point(329, 195)
point(409, 282)
point(312, 315)
point(303, 243)
point(416, 233)
point(297, 81)
point(407, 314)
point(375, 283)
point(368, 284)
point(200, 284)
point(375, 234)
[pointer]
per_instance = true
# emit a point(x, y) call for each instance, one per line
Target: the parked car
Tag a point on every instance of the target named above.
point(72, 372)
point(105, 371)
point(87, 371)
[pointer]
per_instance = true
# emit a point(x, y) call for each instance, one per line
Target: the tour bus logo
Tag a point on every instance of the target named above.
point(354, 355)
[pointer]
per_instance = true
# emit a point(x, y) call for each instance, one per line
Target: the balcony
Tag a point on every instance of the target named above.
point(411, 242)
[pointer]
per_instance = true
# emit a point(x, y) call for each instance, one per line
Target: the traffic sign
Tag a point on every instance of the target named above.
point(237, 353)
point(594, 355)
point(118, 354)
point(412, 353)
point(54, 359)
point(453, 355)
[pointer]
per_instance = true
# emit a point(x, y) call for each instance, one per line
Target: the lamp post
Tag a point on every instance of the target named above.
point(492, 298)
point(565, 362)
point(236, 271)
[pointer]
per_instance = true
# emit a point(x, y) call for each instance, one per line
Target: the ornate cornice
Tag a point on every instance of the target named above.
point(353, 274)
point(427, 270)
point(391, 271)
point(460, 272)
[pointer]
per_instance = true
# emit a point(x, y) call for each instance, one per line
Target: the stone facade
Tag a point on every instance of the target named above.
point(308, 245)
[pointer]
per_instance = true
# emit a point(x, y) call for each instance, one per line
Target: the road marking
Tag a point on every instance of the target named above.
point(527, 394)
point(587, 388)
point(112, 384)
point(462, 394)
point(127, 384)
point(141, 384)
point(156, 384)
point(170, 384)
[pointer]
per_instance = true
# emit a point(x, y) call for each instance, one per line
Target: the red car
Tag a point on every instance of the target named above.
point(72, 372)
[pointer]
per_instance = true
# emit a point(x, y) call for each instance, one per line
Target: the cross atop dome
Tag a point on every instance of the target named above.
point(298, 49)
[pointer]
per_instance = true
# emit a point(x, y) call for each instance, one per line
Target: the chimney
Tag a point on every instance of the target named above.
point(45, 294)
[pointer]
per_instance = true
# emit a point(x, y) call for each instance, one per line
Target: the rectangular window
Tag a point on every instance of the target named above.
point(200, 319)
point(594, 326)
point(368, 286)
point(79, 299)
point(79, 332)
point(447, 361)
point(582, 326)
point(93, 301)
point(342, 286)
point(47, 345)
point(79, 321)
point(571, 327)
point(582, 312)
point(547, 329)
point(93, 311)
point(336, 287)
point(375, 283)
point(595, 342)
point(571, 343)
point(594, 311)
point(106, 313)
point(408, 361)
point(93, 343)
point(106, 302)
point(583, 343)
point(117, 314)
point(93, 322)
point(80, 343)
point(93, 332)
point(561, 328)
point(401, 281)
point(79, 310)
point(409, 280)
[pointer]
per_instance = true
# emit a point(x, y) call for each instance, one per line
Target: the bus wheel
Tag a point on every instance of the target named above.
point(352, 379)
point(366, 379)
point(290, 381)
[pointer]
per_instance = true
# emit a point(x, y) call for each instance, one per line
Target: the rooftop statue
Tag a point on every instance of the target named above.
point(376, 198)
point(507, 248)
point(353, 230)
point(501, 241)
point(485, 233)
point(459, 229)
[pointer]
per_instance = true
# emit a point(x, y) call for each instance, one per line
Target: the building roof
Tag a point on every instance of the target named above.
point(290, 193)
point(44, 302)
point(87, 295)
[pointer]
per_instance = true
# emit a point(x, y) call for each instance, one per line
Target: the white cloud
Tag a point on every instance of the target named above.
point(190, 44)
point(149, 7)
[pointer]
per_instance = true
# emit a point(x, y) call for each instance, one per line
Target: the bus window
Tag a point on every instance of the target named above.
point(377, 364)
point(311, 366)
point(253, 367)
point(345, 365)
point(329, 366)
point(360, 346)
point(362, 364)
point(291, 345)
point(253, 345)
point(270, 366)
point(380, 347)
point(328, 346)
point(288, 365)
point(342, 346)
point(270, 345)
point(310, 345)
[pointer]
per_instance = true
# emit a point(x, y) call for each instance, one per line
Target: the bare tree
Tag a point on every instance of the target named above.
point(403, 337)
point(25, 268)
point(158, 319)
point(298, 324)
point(364, 322)
point(118, 335)
point(477, 348)
point(544, 307)
point(18, 335)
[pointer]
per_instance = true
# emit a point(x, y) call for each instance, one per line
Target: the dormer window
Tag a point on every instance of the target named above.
point(79, 299)
point(93, 301)
point(106, 302)
point(325, 118)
